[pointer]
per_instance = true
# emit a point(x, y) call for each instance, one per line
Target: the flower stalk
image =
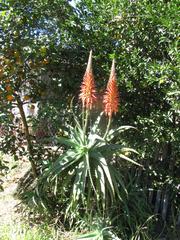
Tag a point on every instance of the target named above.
point(88, 91)
point(111, 96)
point(108, 127)
point(88, 95)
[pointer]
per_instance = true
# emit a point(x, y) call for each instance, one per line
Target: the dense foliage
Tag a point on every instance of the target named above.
point(44, 48)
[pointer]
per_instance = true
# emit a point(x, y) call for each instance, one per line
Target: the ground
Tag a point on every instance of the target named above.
point(8, 203)
point(11, 225)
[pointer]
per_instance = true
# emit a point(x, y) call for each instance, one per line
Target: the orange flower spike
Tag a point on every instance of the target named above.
point(88, 92)
point(111, 96)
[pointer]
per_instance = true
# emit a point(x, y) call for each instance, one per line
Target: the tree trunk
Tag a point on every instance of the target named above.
point(27, 135)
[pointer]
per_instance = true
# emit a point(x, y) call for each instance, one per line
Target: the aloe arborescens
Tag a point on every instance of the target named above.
point(111, 96)
point(86, 165)
point(88, 92)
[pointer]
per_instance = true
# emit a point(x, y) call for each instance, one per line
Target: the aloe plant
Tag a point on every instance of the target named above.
point(99, 234)
point(90, 164)
point(89, 167)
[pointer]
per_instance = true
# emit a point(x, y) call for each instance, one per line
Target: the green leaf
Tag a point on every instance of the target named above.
point(112, 133)
point(118, 181)
point(96, 124)
point(65, 161)
point(91, 236)
point(126, 149)
point(94, 140)
point(80, 181)
point(101, 182)
point(90, 172)
point(129, 160)
point(105, 168)
point(3, 13)
point(66, 141)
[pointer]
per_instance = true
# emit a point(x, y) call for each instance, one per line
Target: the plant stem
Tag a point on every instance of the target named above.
point(86, 123)
point(27, 135)
point(82, 117)
point(107, 129)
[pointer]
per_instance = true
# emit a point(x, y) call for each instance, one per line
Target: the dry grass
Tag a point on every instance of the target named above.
point(24, 232)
